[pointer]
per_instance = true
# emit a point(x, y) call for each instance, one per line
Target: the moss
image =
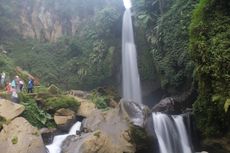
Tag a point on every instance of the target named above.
point(141, 140)
point(97, 134)
point(2, 121)
point(14, 140)
point(209, 48)
point(54, 103)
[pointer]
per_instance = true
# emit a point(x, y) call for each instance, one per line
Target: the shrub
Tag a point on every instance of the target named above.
point(36, 116)
point(101, 102)
point(55, 103)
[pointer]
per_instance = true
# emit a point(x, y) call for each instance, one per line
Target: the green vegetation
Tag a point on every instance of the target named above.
point(14, 140)
point(167, 45)
point(7, 65)
point(35, 115)
point(54, 103)
point(209, 45)
point(85, 60)
point(97, 134)
point(140, 138)
point(100, 101)
point(2, 121)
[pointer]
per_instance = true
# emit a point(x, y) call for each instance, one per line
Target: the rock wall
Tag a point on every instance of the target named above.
point(38, 20)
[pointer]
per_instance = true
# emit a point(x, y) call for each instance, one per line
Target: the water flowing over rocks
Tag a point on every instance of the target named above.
point(19, 136)
point(10, 110)
point(108, 131)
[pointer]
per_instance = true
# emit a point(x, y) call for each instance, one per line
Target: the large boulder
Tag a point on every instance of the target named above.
point(10, 110)
point(79, 93)
point(19, 136)
point(64, 118)
point(136, 113)
point(97, 141)
point(166, 105)
point(86, 108)
point(109, 131)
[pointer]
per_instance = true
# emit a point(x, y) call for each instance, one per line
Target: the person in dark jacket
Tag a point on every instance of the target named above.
point(30, 85)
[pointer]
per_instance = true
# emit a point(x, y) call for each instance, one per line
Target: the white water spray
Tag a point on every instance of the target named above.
point(55, 147)
point(131, 79)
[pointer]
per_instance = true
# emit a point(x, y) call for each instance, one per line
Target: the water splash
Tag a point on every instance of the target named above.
point(55, 147)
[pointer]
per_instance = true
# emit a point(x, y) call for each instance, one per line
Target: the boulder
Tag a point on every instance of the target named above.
point(86, 108)
point(79, 93)
point(48, 134)
point(108, 132)
point(64, 118)
point(97, 141)
point(166, 105)
point(19, 136)
point(136, 113)
point(10, 110)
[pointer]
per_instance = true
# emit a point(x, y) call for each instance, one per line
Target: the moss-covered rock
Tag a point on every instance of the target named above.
point(54, 103)
point(140, 138)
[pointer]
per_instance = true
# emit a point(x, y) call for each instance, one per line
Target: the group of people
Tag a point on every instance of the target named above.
point(15, 86)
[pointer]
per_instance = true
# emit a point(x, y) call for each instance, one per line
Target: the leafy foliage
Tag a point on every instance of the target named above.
point(209, 45)
point(36, 116)
point(100, 101)
point(167, 44)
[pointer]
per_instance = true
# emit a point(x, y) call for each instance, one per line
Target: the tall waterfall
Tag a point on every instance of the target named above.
point(130, 78)
point(171, 134)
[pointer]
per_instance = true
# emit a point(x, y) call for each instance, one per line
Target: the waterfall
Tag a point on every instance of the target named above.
point(55, 147)
point(171, 134)
point(130, 78)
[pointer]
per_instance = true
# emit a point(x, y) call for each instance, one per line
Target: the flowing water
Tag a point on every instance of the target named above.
point(55, 147)
point(171, 134)
point(131, 79)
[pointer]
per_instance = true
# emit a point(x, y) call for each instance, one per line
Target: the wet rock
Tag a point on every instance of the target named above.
point(166, 105)
point(64, 118)
point(218, 145)
point(10, 110)
point(19, 136)
point(48, 134)
point(136, 113)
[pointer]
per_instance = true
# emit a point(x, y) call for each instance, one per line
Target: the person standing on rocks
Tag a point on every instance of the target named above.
point(30, 85)
point(3, 77)
point(21, 85)
point(8, 88)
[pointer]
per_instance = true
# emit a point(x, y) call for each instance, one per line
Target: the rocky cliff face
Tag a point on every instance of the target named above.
point(38, 20)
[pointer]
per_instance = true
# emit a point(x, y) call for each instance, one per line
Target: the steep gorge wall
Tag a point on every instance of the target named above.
point(48, 20)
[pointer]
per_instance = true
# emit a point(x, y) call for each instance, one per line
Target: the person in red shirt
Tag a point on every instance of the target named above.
point(8, 88)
